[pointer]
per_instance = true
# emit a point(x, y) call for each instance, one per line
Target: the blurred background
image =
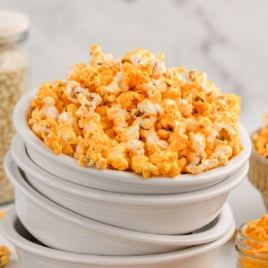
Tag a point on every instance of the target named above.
point(225, 38)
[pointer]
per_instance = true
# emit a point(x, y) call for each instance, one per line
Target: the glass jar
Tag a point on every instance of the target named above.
point(13, 83)
point(251, 253)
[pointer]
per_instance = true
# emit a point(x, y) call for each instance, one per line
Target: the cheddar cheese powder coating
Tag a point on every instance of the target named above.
point(2, 214)
point(135, 114)
point(4, 256)
point(260, 139)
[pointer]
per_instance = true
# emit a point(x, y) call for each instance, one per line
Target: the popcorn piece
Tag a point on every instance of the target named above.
point(198, 143)
point(119, 117)
point(147, 108)
point(136, 147)
point(66, 118)
point(196, 166)
point(165, 161)
point(153, 138)
point(223, 153)
point(260, 139)
point(117, 157)
point(128, 100)
point(141, 165)
point(50, 110)
point(133, 113)
point(4, 256)
point(2, 214)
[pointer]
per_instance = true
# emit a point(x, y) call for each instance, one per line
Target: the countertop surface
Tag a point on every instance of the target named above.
point(246, 204)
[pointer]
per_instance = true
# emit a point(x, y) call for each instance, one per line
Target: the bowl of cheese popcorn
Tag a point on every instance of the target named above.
point(34, 254)
point(132, 125)
point(158, 214)
point(258, 171)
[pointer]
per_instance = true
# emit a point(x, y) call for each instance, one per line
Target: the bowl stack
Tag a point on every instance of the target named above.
point(69, 216)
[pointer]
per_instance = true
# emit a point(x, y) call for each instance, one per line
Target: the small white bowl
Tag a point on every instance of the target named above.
point(113, 180)
point(32, 254)
point(158, 214)
point(60, 228)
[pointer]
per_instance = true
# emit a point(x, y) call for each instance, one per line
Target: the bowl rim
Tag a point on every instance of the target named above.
point(21, 111)
point(9, 232)
point(22, 159)
point(20, 184)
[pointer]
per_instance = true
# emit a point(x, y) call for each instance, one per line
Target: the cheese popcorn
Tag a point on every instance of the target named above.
point(133, 113)
point(260, 139)
point(4, 256)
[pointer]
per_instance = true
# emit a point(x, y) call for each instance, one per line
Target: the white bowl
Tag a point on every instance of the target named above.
point(159, 214)
point(32, 254)
point(60, 228)
point(118, 181)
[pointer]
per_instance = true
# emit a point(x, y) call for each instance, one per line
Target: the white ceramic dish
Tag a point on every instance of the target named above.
point(31, 254)
point(118, 181)
point(159, 214)
point(73, 232)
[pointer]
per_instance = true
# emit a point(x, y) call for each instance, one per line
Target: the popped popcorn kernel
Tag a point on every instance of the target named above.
point(4, 256)
point(116, 157)
point(141, 165)
point(260, 139)
point(2, 214)
point(135, 114)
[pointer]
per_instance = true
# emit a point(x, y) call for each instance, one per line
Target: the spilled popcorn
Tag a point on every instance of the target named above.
point(135, 114)
point(4, 256)
point(260, 139)
point(4, 252)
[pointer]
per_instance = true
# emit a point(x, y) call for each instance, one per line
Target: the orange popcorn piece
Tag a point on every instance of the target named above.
point(2, 214)
point(4, 256)
point(141, 165)
point(133, 113)
point(260, 139)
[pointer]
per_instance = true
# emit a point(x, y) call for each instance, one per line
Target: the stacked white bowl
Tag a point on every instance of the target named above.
point(84, 217)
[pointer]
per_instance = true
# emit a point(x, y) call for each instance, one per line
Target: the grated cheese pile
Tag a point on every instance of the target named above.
point(255, 248)
point(258, 230)
point(135, 114)
point(260, 139)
